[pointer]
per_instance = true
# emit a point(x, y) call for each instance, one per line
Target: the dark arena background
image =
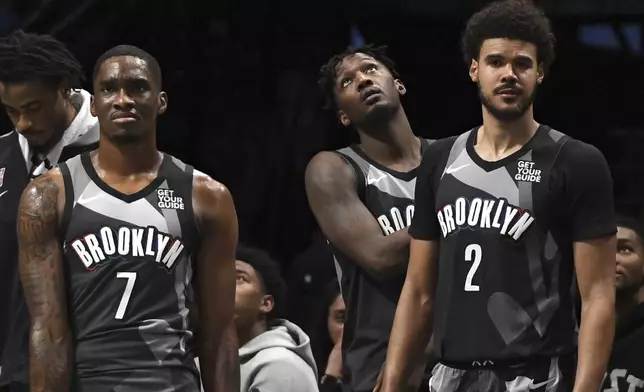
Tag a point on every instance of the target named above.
point(243, 102)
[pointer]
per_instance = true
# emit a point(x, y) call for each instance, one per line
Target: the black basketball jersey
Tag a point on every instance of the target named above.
point(506, 232)
point(371, 304)
point(129, 266)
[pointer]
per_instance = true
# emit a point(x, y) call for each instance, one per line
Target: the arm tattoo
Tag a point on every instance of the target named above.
point(42, 282)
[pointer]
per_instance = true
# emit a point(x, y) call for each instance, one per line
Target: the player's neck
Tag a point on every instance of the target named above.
point(392, 141)
point(128, 159)
point(246, 334)
point(501, 137)
point(625, 303)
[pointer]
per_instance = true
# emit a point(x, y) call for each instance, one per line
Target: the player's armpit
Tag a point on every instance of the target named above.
point(413, 322)
point(215, 274)
point(345, 220)
point(41, 275)
point(595, 269)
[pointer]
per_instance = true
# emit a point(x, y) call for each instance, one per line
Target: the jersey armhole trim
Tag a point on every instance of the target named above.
point(361, 181)
point(69, 199)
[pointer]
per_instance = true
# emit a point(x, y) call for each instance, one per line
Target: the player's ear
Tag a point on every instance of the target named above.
point(92, 105)
point(541, 73)
point(402, 90)
point(268, 303)
point(344, 119)
point(163, 102)
point(474, 71)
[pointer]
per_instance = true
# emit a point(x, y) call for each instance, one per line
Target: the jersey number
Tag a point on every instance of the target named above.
point(125, 298)
point(473, 252)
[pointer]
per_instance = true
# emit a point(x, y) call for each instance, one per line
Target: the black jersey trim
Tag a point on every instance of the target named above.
point(405, 176)
point(128, 198)
point(489, 166)
point(69, 198)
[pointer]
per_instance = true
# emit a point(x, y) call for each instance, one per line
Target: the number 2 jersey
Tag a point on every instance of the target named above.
point(128, 270)
point(506, 231)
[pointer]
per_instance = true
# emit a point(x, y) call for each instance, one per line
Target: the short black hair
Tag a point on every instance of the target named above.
point(26, 57)
point(632, 224)
point(512, 19)
point(268, 271)
point(329, 71)
point(129, 50)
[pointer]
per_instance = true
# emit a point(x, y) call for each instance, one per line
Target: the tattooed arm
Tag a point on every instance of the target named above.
point(216, 282)
point(42, 280)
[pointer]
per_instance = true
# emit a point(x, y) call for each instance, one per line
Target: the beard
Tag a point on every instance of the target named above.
point(523, 103)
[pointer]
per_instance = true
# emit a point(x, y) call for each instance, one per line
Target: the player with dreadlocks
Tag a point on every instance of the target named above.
point(363, 199)
point(40, 89)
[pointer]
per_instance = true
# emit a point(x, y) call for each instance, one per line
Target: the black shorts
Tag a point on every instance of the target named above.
point(553, 375)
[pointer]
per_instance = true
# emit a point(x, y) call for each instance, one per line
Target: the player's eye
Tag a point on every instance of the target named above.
point(370, 68)
point(345, 82)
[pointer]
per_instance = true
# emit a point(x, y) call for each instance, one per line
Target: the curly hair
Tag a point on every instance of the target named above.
point(512, 19)
point(329, 71)
point(26, 57)
point(268, 271)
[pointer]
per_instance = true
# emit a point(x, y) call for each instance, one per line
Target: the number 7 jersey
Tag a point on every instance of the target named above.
point(128, 270)
point(506, 231)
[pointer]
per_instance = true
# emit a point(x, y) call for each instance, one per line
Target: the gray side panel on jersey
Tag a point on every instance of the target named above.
point(357, 159)
point(555, 135)
point(547, 303)
point(457, 148)
point(380, 179)
point(79, 176)
point(139, 213)
point(179, 164)
point(183, 270)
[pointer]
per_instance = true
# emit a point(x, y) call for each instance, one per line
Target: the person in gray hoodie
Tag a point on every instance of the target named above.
point(275, 355)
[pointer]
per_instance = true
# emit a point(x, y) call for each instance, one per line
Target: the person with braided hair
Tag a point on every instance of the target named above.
point(40, 89)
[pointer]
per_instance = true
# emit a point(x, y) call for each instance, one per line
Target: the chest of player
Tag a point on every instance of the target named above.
point(505, 201)
point(154, 229)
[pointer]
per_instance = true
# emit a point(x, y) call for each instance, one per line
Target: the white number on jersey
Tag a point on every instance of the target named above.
point(473, 252)
point(125, 298)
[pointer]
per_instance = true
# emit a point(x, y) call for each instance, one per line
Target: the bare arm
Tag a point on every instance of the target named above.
point(346, 221)
point(413, 323)
point(41, 275)
point(217, 218)
point(595, 268)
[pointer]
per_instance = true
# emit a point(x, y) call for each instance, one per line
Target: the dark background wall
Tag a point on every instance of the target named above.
point(241, 77)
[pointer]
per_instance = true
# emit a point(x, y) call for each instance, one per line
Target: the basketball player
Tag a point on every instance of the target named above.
point(40, 90)
point(363, 199)
point(506, 214)
point(626, 365)
point(112, 238)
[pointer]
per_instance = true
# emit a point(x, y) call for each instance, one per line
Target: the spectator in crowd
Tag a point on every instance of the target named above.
point(327, 337)
point(274, 354)
point(626, 365)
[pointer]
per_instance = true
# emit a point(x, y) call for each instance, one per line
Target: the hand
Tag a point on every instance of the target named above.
point(334, 363)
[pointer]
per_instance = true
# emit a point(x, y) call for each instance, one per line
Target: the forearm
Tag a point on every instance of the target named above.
point(219, 362)
point(595, 341)
point(50, 359)
point(410, 335)
point(392, 252)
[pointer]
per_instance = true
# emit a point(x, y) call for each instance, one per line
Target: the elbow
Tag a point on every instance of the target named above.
point(382, 266)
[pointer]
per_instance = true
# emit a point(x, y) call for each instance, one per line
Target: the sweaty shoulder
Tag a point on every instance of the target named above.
point(208, 195)
point(328, 170)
